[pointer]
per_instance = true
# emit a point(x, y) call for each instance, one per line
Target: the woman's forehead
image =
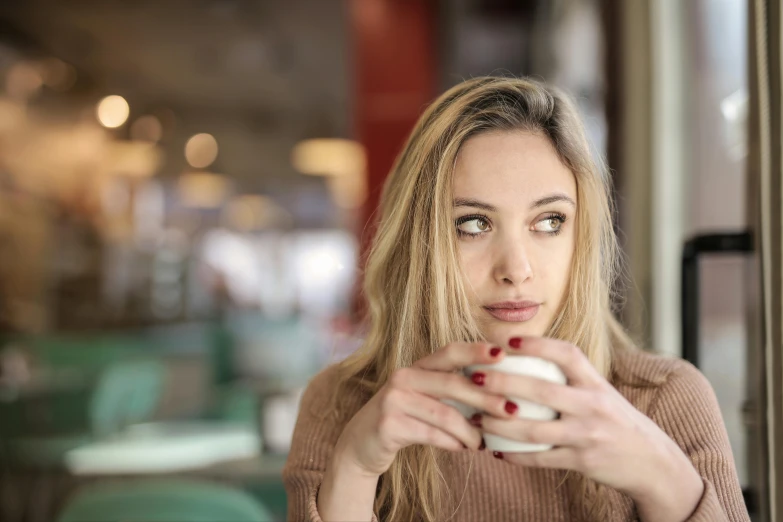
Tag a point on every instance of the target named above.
point(510, 168)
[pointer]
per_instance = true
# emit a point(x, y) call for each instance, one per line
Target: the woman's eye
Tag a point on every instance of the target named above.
point(550, 224)
point(473, 226)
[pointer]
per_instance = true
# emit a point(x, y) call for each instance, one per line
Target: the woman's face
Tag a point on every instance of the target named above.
point(515, 219)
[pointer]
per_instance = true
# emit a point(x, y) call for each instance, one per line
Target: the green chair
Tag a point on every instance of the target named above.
point(126, 392)
point(163, 501)
point(85, 352)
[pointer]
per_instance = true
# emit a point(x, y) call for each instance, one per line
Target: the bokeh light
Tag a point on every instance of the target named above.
point(202, 189)
point(329, 157)
point(250, 212)
point(23, 81)
point(113, 111)
point(147, 128)
point(344, 164)
point(201, 150)
point(57, 74)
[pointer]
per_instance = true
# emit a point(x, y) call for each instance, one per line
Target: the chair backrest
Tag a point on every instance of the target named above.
point(127, 392)
point(163, 501)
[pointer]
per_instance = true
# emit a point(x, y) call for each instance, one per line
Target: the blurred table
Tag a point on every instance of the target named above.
point(165, 447)
point(208, 451)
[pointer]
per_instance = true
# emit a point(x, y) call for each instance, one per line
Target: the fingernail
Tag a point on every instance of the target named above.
point(510, 407)
point(475, 420)
point(478, 378)
point(515, 342)
point(494, 352)
point(483, 444)
point(497, 454)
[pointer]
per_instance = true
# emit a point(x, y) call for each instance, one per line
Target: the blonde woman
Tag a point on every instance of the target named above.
point(496, 238)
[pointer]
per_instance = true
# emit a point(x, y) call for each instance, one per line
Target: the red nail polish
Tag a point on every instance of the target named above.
point(483, 445)
point(497, 454)
point(510, 407)
point(475, 420)
point(494, 352)
point(478, 378)
point(515, 342)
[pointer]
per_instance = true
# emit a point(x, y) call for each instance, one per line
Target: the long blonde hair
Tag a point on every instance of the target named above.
point(413, 285)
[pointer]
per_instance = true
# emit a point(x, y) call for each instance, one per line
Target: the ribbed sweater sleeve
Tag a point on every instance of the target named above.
point(316, 433)
point(687, 410)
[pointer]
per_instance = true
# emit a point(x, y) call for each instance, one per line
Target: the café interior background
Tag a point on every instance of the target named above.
point(185, 188)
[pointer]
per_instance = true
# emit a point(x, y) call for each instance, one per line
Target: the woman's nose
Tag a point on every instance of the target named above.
point(513, 265)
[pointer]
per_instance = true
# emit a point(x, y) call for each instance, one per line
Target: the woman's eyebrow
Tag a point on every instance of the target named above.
point(469, 202)
point(546, 200)
point(553, 198)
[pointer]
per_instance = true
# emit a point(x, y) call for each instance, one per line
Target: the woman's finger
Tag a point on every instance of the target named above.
point(456, 356)
point(571, 360)
point(561, 398)
point(441, 417)
point(415, 431)
point(455, 386)
point(556, 433)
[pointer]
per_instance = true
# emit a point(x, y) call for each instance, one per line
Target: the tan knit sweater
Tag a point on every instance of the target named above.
point(680, 401)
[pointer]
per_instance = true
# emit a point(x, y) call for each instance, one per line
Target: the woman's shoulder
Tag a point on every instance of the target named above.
point(634, 367)
point(323, 381)
point(325, 408)
point(647, 380)
point(320, 398)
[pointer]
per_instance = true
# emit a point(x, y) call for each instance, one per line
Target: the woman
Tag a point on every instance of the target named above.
point(496, 238)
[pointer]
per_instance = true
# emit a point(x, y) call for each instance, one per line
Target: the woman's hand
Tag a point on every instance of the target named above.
point(408, 409)
point(599, 433)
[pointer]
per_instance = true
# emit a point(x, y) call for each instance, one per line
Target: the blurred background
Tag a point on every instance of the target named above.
point(187, 189)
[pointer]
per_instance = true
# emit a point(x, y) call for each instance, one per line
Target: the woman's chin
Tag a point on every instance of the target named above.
point(500, 332)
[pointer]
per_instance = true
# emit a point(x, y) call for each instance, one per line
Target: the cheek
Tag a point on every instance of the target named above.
point(474, 262)
point(558, 269)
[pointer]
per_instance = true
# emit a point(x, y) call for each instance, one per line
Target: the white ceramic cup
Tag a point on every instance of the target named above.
point(518, 365)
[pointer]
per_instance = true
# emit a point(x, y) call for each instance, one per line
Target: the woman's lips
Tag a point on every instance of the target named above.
point(514, 315)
